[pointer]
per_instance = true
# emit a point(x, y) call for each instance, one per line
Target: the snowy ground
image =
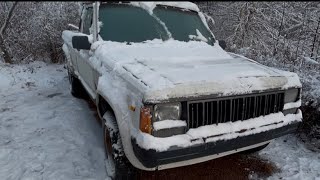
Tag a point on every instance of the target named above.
point(294, 160)
point(45, 133)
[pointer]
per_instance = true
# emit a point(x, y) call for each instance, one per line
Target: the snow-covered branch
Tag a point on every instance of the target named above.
point(7, 19)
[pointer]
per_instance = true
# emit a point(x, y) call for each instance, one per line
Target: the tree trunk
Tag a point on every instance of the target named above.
point(275, 49)
point(315, 39)
point(4, 52)
point(3, 48)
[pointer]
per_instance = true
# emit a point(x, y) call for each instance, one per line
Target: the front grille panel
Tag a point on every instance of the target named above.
point(217, 111)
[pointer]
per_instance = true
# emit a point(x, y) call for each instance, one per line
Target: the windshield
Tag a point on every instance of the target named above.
point(125, 23)
point(183, 25)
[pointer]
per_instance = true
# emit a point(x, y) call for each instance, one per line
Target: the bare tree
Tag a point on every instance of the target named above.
point(34, 31)
point(315, 40)
point(3, 48)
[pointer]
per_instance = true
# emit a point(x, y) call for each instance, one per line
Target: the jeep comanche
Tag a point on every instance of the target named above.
point(167, 93)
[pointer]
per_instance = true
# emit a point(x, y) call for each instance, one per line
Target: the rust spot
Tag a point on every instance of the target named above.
point(132, 108)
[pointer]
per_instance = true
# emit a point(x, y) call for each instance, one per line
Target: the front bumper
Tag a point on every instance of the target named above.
point(153, 159)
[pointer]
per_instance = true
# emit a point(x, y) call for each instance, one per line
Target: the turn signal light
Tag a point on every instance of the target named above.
point(145, 120)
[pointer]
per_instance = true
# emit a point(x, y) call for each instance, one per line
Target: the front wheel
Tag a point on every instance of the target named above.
point(117, 165)
point(76, 88)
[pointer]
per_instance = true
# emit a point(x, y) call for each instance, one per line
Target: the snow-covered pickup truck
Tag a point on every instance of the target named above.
point(167, 93)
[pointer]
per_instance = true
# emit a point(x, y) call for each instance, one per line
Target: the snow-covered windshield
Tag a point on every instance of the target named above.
point(183, 25)
point(126, 23)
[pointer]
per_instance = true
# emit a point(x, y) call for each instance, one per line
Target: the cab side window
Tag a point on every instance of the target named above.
point(87, 21)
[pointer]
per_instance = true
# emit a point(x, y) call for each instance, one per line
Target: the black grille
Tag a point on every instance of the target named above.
point(208, 112)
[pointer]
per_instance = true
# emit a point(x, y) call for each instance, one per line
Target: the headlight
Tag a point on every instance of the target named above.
point(168, 111)
point(291, 95)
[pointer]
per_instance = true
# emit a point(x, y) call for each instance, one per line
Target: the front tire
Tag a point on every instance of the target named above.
point(118, 166)
point(76, 88)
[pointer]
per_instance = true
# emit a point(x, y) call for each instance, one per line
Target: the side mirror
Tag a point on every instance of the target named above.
point(81, 42)
point(222, 44)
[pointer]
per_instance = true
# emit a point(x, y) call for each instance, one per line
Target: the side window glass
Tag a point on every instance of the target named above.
point(87, 21)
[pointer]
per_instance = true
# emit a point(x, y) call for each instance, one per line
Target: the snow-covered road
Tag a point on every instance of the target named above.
point(45, 133)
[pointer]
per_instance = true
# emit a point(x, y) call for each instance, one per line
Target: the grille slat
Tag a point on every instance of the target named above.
point(197, 112)
point(207, 112)
point(255, 107)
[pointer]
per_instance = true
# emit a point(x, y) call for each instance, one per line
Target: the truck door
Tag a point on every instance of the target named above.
point(84, 67)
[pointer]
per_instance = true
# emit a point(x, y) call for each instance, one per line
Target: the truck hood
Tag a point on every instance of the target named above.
point(175, 69)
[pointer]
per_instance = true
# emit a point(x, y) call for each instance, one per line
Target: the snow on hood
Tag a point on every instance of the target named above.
point(173, 69)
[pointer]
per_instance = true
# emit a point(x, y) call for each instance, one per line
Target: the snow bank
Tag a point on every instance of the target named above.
point(165, 124)
point(222, 131)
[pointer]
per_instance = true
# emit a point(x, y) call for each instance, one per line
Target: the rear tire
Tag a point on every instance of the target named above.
point(77, 90)
point(120, 167)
